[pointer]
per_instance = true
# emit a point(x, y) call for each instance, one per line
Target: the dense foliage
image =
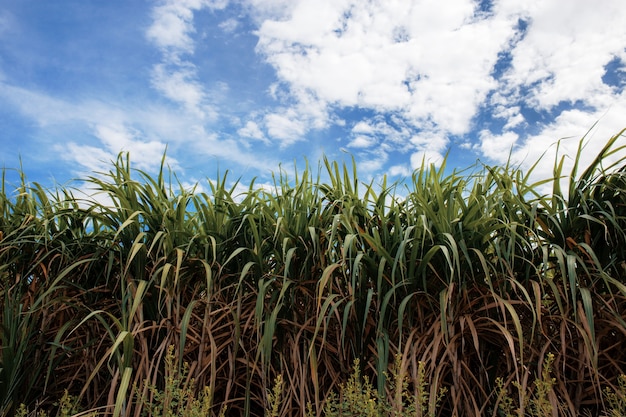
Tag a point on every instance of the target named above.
point(473, 278)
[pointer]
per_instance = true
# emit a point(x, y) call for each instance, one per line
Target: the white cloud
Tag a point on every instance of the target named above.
point(146, 154)
point(362, 141)
point(432, 68)
point(42, 108)
point(286, 127)
point(497, 147)
point(363, 127)
point(368, 166)
point(214, 146)
point(431, 147)
point(402, 170)
point(261, 10)
point(421, 62)
point(402, 79)
point(177, 77)
point(502, 109)
point(172, 24)
point(253, 131)
point(88, 159)
point(425, 157)
point(180, 84)
point(105, 129)
point(562, 56)
point(568, 129)
point(172, 27)
point(229, 25)
point(560, 59)
point(378, 134)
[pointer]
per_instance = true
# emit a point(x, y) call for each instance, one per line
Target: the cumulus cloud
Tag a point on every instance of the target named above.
point(425, 157)
point(402, 170)
point(497, 147)
point(430, 148)
point(286, 127)
point(436, 69)
point(570, 127)
point(557, 67)
point(565, 48)
point(425, 64)
point(373, 164)
point(252, 130)
point(362, 141)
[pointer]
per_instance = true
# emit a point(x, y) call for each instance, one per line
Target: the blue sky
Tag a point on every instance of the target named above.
point(248, 85)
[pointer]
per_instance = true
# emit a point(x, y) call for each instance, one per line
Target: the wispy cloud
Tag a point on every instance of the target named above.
point(180, 84)
point(176, 76)
point(113, 139)
point(229, 25)
point(111, 128)
point(172, 25)
point(7, 23)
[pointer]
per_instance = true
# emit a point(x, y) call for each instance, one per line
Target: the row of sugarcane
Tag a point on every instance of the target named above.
point(471, 279)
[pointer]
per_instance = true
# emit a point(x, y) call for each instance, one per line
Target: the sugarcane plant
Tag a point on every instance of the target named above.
point(467, 280)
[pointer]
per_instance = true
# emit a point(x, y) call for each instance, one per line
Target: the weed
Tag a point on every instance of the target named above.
point(274, 397)
point(66, 407)
point(616, 399)
point(358, 398)
point(534, 404)
point(178, 398)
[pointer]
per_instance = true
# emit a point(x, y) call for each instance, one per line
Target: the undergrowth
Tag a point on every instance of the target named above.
point(537, 402)
point(358, 397)
point(178, 398)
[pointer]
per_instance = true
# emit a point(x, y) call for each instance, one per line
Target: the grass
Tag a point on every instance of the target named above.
point(471, 278)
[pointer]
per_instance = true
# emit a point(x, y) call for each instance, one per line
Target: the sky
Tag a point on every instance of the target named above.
point(250, 86)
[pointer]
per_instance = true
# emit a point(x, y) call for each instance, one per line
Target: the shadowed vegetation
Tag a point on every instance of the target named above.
point(473, 280)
